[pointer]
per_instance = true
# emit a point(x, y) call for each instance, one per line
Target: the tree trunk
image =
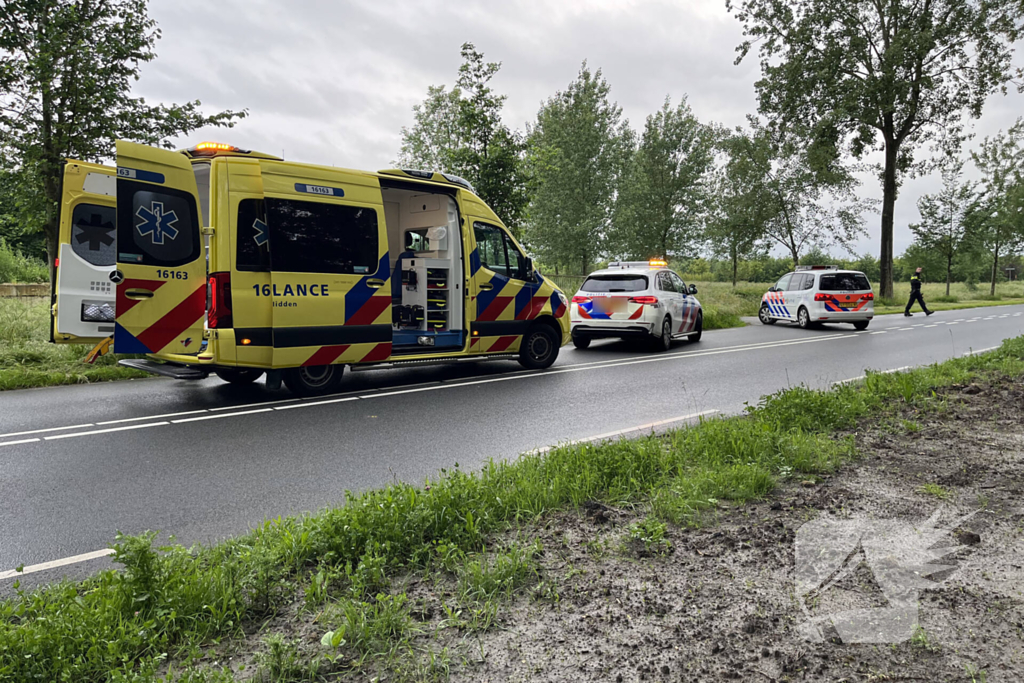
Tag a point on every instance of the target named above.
point(735, 264)
point(995, 271)
point(888, 216)
point(949, 271)
point(796, 256)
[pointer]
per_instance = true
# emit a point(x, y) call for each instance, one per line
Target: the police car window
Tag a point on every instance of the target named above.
point(156, 225)
point(92, 234)
point(839, 282)
point(252, 251)
point(783, 284)
point(316, 237)
point(490, 245)
point(678, 282)
point(808, 281)
point(615, 283)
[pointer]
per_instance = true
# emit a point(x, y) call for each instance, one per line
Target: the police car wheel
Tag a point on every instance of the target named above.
point(698, 329)
point(803, 318)
point(664, 342)
point(313, 381)
point(581, 342)
point(238, 375)
point(765, 316)
point(861, 325)
point(539, 348)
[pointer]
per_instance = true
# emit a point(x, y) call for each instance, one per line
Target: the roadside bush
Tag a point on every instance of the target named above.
point(16, 267)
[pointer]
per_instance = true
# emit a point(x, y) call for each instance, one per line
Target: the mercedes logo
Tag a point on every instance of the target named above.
point(117, 277)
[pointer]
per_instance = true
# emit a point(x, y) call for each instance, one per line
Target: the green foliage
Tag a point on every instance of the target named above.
point(69, 67)
point(997, 218)
point(282, 662)
point(121, 625)
point(649, 532)
point(460, 131)
point(664, 193)
point(16, 267)
point(902, 73)
point(943, 228)
point(578, 149)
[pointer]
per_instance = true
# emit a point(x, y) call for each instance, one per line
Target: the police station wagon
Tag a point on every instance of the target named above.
point(819, 294)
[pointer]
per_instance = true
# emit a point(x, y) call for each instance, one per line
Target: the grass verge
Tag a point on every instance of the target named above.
point(168, 604)
point(28, 360)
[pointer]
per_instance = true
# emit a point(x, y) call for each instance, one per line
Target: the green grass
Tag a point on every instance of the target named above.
point(171, 602)
point(16, 267)
point(27, 359)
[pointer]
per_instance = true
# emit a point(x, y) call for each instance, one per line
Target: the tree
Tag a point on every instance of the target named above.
point(66, 69)
point(578, 147)
point(942, 228)
point(663, 197)
point(460, 131)
point(796, 198)
point(851, 71)
point(998, 215)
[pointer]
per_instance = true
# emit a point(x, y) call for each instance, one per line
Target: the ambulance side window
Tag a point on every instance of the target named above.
point(92, 234)
point(490, 244)
point(252, 252)
point(315, 237)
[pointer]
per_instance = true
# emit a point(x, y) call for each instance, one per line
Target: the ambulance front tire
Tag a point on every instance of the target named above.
point(765, 316)
point(238, 376)
point(315, 380)
point(539, 348)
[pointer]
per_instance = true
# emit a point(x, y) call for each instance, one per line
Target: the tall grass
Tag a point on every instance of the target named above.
point(164, 603)
point(16, 267)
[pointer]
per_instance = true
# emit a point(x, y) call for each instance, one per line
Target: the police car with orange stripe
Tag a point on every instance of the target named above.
point(636, 300)
point(221, 260)
point(813, 295)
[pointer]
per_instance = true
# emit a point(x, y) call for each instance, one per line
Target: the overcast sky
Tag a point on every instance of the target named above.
point(333, 82)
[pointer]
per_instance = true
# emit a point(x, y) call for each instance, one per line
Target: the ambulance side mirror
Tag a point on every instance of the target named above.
point(530, 273)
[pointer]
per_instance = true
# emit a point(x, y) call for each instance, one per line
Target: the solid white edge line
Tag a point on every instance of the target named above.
point(621, 432)
point(848, 381)
point(105, 431)
point(253, 405)
point(53, 564)
point(150, 417)
point(42, 431)
point(317, 403)
point(217, 417)
point(15, 443)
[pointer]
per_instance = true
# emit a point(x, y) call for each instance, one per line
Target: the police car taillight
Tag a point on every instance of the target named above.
point(580, 299)
point(219, 315)
point(870, 296)
point(821, 297)
point(648, 300)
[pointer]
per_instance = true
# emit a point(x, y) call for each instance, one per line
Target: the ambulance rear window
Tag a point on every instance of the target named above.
point(844, 282)
point(315, 237)
point(92, 234)
point(615, 283)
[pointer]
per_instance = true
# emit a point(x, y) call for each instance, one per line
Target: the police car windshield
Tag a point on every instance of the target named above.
point(841, 282)
point(615, 283)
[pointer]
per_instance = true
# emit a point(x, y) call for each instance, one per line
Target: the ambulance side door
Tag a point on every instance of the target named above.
point(83, 311)
point(330, 278)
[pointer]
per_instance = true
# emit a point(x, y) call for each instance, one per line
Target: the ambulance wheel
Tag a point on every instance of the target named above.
point(861, 325)
point(664, 342)
point(765, 316)
point(315, 380)
point(803, 319)
point(698, 329)
point(581, 342)
point(238, 376)
point(539, 348)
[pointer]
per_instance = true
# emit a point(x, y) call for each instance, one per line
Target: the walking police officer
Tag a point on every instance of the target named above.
point(915, 294)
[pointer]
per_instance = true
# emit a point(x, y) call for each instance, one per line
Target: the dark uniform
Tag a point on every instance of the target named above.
point(915, 294)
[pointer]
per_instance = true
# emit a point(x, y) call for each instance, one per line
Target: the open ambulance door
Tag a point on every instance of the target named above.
point(83, 299)
point(330, 273)
point(161, 259)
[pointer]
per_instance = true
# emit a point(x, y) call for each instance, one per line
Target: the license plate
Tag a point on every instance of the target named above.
point(610, 305)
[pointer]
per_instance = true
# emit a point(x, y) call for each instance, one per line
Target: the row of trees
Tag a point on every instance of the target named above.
point(580, 186)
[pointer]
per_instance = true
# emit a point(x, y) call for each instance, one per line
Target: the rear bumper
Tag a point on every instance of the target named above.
point(612, 331)
point(172, 370)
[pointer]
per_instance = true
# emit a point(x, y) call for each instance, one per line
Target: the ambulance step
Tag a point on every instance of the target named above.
point(430, 361)
point(172, 370)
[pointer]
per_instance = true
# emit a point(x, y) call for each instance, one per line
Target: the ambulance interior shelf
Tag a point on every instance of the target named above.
point(426, 299)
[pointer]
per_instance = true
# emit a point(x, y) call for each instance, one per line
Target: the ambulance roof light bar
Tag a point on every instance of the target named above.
point(817, 267)
point(205, 150)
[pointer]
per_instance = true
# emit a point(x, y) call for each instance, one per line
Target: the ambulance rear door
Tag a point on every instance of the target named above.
point(330, 292)
point(83, 310)
point(161, 259)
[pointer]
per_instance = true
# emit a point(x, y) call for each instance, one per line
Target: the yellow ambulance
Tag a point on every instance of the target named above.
point(219, 259)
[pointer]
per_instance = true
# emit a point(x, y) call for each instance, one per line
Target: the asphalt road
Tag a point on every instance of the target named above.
point(206, 460)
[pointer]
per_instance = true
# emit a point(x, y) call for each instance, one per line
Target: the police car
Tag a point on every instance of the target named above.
point(636, 299)
point(820, 294)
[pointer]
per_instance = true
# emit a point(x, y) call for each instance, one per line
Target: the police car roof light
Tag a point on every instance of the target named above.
point(658, 263)
point(631, 264)
point(817, 267)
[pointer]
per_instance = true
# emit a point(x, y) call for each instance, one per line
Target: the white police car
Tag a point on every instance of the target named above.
point(636, 299)
point(820, 294)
